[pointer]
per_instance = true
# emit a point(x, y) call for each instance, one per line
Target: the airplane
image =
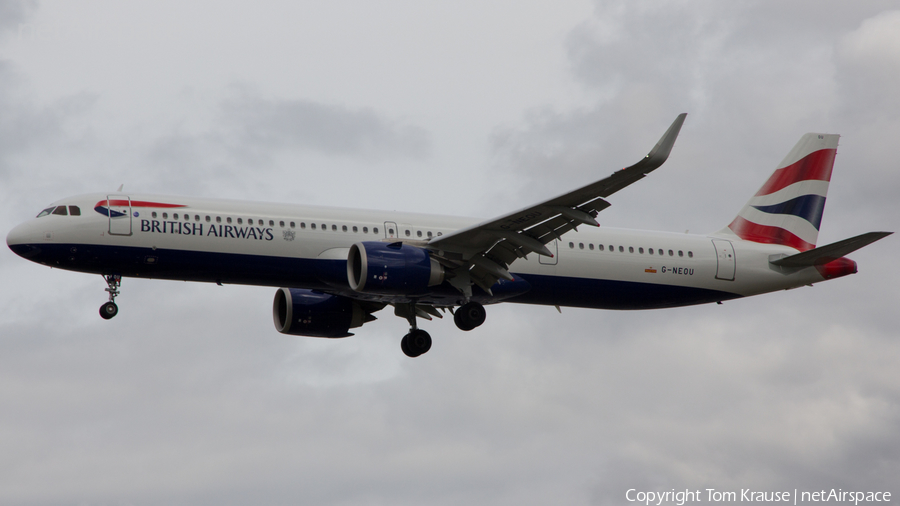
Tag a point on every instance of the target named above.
point(335, 267)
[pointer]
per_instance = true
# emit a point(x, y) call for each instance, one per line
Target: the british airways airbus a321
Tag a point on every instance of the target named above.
point(339, 266)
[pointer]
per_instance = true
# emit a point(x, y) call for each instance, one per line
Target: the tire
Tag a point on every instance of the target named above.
point(469, 316)
point(109, 310)
point(416, 343)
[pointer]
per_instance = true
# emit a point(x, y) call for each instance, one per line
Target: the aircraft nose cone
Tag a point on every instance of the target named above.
point(22, 241)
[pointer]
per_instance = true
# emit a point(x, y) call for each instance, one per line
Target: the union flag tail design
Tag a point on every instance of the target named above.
point(788, 208)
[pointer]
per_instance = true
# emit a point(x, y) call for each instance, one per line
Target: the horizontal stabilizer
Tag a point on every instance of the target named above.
point(825, 254)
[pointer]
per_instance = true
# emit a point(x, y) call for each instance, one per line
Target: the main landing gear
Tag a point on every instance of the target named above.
point(418, 342)
point(469, 316)
point(110, 309)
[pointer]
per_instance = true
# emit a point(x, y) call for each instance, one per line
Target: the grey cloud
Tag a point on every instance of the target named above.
point(795, 73)
point(326, 128)
point(13, 13)
point(189, 396)
point(248, 133)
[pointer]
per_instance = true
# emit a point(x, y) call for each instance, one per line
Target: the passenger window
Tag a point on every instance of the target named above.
point(365, 230)
point(671, 253)
point(581, 245)
point(302, 224)
point(650, 251)
point(660, 252)
point(621, 249)
point(292, 224)
point(344, 228)
point(591, 247)
point(227, 220)
point(61, 211)
point(324, 227)
point(418, 233)
point(312, 226)
point(631, 249)
point(375, 230)
point(600, 247)
point(196, 217)
point(166, 216)
point(429, 234)
point(571, 245)
point(207, 219)
point(175, 216)
point(240, 221)
point(218, 219)
point(74, 211)
point(690, 254)
point(187, 217)
point(680, 253)
point(407, 233)
point(281, 223)
point(153, 215)
point(440, 234)
point(355, 230)
point(390, 231)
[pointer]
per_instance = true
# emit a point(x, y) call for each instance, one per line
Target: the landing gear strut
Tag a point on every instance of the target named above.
point(417, 342)
point(110, 309)
point(469, 316)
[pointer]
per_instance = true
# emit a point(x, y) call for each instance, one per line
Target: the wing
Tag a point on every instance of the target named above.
point(481, 254)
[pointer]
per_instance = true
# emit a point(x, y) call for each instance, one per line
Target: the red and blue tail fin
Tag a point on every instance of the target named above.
point(787, 210)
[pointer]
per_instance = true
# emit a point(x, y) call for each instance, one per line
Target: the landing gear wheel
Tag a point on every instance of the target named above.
point(469, 316)
point(109, 310)
point(416, 343)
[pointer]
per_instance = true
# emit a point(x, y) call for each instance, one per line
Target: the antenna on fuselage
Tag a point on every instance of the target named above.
point(120, 188)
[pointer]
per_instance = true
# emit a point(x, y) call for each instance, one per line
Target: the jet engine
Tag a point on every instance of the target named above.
point(392, 269)
point(300, 312)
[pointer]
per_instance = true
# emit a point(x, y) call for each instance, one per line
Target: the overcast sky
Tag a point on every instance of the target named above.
point(189, 396)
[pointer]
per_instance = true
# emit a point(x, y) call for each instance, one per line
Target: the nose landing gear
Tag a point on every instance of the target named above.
point(110, 309)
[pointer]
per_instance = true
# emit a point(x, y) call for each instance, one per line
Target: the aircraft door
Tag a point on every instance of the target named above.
point(553, 246)
point(119, 211)
point(724, 259)
point(390, 230)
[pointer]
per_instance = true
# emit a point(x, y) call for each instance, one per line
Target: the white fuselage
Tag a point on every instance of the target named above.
point(195, 239)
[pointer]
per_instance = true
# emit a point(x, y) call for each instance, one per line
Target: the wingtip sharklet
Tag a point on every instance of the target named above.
point(661, 150)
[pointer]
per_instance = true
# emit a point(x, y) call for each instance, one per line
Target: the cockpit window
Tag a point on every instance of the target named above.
point(74, 211)
point(45, 212)
point(61, 210)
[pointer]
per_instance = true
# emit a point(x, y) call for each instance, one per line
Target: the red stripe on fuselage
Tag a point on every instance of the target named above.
point(749, 231)
point(814, 166)
point(136, 203)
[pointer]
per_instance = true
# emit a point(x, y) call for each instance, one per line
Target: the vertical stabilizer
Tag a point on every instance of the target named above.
point(788, 208)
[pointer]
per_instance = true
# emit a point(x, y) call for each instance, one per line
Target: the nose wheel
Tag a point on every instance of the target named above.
point(110, 309)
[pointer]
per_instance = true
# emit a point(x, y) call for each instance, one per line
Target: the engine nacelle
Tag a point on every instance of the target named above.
point(392, 269)
point(301, 312)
